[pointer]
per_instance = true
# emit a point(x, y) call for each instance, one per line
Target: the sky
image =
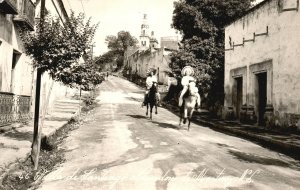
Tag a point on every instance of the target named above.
point(116, 15)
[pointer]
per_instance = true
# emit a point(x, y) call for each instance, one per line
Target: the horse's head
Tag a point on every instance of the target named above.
point(153, 87)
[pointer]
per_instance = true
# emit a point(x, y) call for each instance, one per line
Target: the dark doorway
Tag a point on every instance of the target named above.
point(262, 96)
point(239, 95)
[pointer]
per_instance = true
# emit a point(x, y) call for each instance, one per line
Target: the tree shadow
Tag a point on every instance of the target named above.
point(24, 136)
point(165, 125)
point(250, 158)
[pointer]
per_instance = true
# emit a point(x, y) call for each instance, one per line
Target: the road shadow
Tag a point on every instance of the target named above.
point(134, 99)
point(139, 92)
point(250, 158)
point(138, 116)
point(24, 136)
point(165, 125)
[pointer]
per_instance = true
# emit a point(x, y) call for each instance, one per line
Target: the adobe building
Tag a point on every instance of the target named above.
point(169, 42)
point(262, 64)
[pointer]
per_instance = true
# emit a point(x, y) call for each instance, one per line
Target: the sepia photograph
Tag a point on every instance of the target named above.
point(149, 95)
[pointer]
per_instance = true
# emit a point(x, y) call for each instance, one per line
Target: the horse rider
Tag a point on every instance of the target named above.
point(188, 81)
point(152, 78)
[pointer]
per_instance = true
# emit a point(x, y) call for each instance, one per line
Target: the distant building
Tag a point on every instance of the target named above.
point(262, 53)
point(149, 55)
point(169, 42)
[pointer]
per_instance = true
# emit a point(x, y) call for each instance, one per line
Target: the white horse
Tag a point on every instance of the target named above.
point(188, 107)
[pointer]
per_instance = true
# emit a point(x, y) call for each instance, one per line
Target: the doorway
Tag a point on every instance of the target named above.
point(239, 96)
point(261, 96)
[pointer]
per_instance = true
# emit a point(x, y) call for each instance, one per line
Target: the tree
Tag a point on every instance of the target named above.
point(56, 48)
point(117, 46)
point(59, 47)
point(83, 76)
point(202, 24)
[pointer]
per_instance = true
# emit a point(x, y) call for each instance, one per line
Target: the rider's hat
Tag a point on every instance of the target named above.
point(187, 69)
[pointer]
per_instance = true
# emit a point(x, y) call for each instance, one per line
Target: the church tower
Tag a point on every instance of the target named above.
point(145, 37)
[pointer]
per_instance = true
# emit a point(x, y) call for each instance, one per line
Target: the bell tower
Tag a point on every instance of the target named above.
point(145, 37)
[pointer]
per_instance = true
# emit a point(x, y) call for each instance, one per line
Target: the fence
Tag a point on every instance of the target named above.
point(14, 108)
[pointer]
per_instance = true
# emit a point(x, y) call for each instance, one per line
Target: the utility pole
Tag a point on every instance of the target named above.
point(36, 137)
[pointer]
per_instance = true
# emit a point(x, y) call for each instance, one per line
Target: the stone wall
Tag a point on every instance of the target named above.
point(140, 61)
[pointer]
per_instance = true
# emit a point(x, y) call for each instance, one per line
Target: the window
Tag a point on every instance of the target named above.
point(15, 59)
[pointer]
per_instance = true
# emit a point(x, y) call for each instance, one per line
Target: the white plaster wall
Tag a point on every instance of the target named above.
point(6, 52)
point(143, 62)
point(282, 46)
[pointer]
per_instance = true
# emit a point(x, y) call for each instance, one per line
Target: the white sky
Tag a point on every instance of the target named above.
point(116, 15)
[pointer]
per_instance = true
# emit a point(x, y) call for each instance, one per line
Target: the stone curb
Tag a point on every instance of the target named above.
point(45, 137)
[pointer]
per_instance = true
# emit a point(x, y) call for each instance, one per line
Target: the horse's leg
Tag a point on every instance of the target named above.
point(147, 109)
point(184, 115)
point(155, 109)
point(190, 117)
point(180, 120)
point(151, 107)
point(181, 115)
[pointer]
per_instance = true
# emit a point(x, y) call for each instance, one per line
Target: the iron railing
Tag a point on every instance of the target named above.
point(14, 108)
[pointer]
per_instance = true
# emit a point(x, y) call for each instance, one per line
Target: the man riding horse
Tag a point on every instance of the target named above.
point(188, 81)
point(152, 78)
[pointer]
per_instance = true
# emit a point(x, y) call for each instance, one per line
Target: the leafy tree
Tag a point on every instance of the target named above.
point(81, 75)
point(117, 46)
point(57, 47)
point(105, 62)
point(202, 24)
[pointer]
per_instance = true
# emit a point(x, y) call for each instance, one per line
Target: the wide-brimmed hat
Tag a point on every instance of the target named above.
point(187, 69)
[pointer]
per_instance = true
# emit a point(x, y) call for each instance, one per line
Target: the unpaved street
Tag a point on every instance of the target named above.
point(118, 148)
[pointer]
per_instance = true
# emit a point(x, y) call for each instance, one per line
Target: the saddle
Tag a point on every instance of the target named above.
point(188, 93)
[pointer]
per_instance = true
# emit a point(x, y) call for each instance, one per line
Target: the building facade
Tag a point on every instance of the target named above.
point(262, 63)
point(16, 72)
point(17, 76)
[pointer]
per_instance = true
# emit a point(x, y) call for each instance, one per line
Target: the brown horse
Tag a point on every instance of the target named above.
point(152, 99)
point(188, 107)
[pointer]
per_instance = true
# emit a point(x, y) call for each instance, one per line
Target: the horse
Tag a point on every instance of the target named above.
point(188, 107)
point(152, 99)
